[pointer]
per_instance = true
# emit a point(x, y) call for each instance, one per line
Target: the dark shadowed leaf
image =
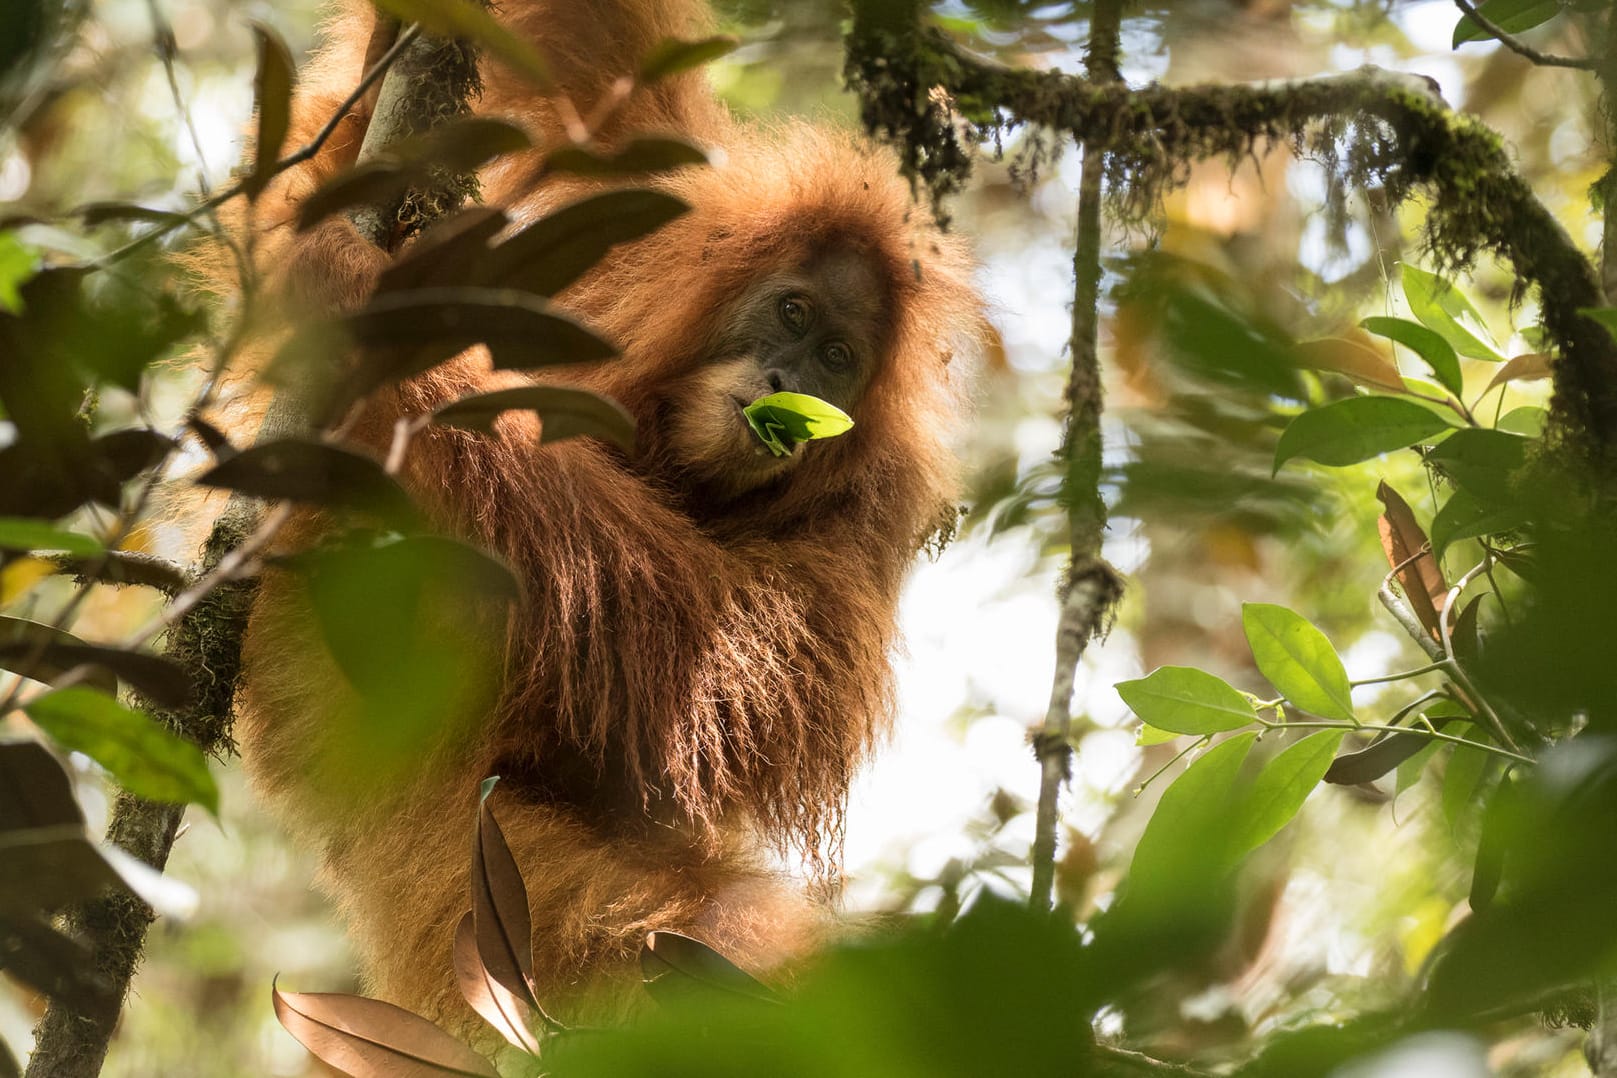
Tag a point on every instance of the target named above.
point(1443, 308)
point(272, 93)
point(500, 915)
point(670, 962)
point(210, 436)
point(1298, 660)
point(100, 213)
point(367, 1038)
point(58, 965)
point(1187, 701)
point(49, 867)
point(638, 157)
point(1438, 353)
point(1402, 540)
point(29, 647)
point(34, 790)
point(142, 755)
point(1511, 16)
point(564, 412)
point(161, 680)
point(27, 534)
point(671, 56)
point(1465, 517)
point(312, 472)
point(409, 332)
point(447, 252)
point(557, 249)
point(371, 183)
point(127, 453)
point(1280, 789)
point(1382, 755)
point(462, 19)
point(508, 1014)
point(1528, 367)
point(463, 145)
point(1356, 429)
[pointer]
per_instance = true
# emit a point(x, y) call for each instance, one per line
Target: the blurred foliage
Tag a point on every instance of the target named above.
point(1457, 889)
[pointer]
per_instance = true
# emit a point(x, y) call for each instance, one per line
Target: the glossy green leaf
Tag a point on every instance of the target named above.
point(1356, 429)
point(1298, 660)
point(1511, 16)
point(136, 750)
point(24, 533)
point(1437, 353)
point(1443, 308)
point(781, 420)
point(462, 19)
point(1150, 735)
point(1280, 789)
point(1185, 835)
point(1183, 700)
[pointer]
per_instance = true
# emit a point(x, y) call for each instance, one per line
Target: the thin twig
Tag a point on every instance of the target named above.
point(1519, 47)
point(312, 147)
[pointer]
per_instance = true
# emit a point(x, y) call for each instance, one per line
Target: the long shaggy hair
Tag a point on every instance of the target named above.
point(690, 679)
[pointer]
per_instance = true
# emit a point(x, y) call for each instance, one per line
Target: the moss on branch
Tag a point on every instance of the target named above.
point(1373, 130)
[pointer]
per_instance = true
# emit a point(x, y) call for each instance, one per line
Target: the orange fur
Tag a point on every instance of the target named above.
point(691, 681)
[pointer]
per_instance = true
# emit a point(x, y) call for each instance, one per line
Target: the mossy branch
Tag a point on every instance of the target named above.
point(1376, 129)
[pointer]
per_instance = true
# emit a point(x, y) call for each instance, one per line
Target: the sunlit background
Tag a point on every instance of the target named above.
point(946, 809)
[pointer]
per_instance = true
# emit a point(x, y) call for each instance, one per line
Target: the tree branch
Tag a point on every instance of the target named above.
point(1517, 46)
point(1396, 136)
point(1091, 587)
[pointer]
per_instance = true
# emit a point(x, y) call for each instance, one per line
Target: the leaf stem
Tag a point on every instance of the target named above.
point(1433, 668)
point(1187, 750)
point(1417, 731)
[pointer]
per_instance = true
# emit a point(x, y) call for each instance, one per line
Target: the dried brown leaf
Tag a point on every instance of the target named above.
point(500, 918)
point(669, 960)
point(508, 1014)
point(1402, 538)
point(1353, 356)
point(366, 1037)
point(1527, 367)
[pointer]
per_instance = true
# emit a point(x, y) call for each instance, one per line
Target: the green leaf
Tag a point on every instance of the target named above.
point(565, 413)
point(640, 157)
point(1184, 700)
point(312, 472)
point(1464, 516)
point(1428, 344)
point(1357, 429)
point(1183, 839)
point(783, 419)
point(17, 264)
point(1150, 735)
point(671, 56)
point(1280, 789)
point(1462, 778)
point(272, 91)
point(1606, 316)
point(560, 247)
point(1409, 772)
point(139, 752)
point(24, 533)
point(1441, 307)
point(1511, 16)
point(1481, 461)
point(1298, 660)
point(459, 18)
point(1528, 421)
